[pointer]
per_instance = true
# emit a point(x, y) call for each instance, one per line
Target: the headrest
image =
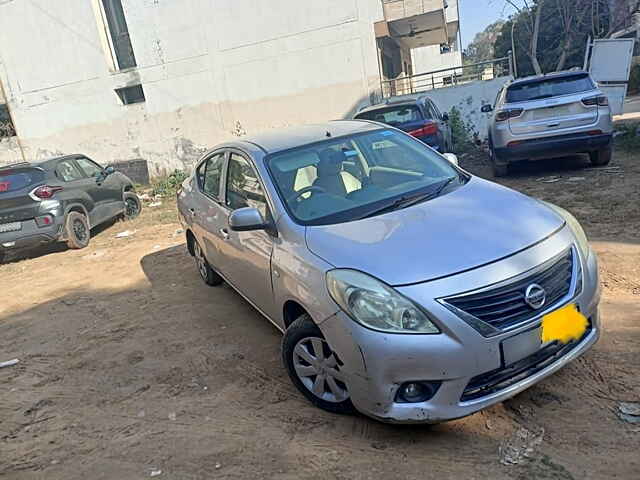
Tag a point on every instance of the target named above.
point(330, 162)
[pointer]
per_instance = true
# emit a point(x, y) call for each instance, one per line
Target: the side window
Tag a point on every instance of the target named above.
point(428, 113)
point(438, 113)
point(497, 98)
point(209, 175)
point(89, 168)
point(243, 186)
point(432, 111)
point(67, 171)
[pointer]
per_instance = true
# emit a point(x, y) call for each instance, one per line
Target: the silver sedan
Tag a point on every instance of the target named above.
point(405, 287)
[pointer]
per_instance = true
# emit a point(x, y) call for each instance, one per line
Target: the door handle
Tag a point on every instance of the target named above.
point(192, 211)
point(225, 233)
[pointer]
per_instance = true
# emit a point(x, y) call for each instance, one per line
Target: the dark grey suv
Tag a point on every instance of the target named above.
point(60, 199)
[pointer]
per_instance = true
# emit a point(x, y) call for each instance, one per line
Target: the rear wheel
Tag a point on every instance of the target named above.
point(602, 157)
point(77, 230)
point(208, 275)
point(132, 205)
point(499, 169)
point(314, 368)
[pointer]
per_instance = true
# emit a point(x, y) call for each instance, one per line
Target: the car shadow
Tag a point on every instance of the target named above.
point(19, 255)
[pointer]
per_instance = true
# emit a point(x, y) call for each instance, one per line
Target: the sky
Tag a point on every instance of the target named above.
point(476, 15)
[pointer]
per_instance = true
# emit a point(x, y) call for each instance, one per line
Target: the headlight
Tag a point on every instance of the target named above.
point(376, 305)
point(578, 232)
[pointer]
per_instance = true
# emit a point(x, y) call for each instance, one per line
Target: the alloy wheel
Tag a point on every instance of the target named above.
point(80, 230)
point(131, 207)
point(201, 261)
point(318, 369)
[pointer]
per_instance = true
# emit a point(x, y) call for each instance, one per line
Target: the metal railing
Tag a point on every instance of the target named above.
point(447, 77)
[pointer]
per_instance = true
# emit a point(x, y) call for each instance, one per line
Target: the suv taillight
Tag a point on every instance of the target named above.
point(44, 192)
point(426, 130)
point(503, 115)
point(600, 100)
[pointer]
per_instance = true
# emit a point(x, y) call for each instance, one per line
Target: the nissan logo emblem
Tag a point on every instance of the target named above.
point(535, 296)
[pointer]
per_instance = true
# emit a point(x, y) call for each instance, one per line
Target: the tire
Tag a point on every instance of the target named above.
point(303, 336)
point(207, 274)
point(132, 204)
point(600, 158)
point(498, 169)
point(77, 230)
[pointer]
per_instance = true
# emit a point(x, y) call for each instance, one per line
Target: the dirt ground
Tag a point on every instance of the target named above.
point(130, 365)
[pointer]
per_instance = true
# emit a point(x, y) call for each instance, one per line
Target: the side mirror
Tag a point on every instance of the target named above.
point(246, 220)
point(451, 157)
point(445, 117)
point(109, 170)
point(486, 108)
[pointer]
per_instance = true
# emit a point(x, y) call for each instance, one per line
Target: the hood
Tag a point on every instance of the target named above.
point(477, 224)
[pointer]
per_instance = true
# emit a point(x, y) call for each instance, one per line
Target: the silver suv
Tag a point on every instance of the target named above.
point(405, 287)
point(550, 116)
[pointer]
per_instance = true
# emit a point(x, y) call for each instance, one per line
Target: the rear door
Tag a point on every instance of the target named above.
point(206, 212)
point(443, 127)
point(16, 205)
point(552, 105)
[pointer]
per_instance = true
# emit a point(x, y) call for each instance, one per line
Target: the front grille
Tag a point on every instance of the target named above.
point(504, 306)
point(501, 378)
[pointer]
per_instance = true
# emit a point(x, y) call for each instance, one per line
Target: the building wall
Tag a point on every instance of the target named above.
point(207, 72)
point(428, 59)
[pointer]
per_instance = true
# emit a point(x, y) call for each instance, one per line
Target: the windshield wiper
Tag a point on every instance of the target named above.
point(410, 200)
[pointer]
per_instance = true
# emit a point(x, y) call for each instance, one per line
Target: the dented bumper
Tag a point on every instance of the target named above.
point(376, 364)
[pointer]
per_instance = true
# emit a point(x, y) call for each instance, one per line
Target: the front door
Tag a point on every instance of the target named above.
point(246, 256)
point(106, 194)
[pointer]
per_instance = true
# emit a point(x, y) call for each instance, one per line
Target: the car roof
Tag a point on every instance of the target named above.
point(44, 164)
point(393, 102)
point(537, 78)
point(292, 137)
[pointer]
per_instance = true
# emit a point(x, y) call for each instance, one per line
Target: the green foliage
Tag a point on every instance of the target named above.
point(589, 18)
point(634, 80)
point(628, 137)
point(462, 132)
point(482, 47)
point(168, 186)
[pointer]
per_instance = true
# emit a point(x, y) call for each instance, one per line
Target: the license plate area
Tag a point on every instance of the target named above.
point(521, 346)
point(10, 227)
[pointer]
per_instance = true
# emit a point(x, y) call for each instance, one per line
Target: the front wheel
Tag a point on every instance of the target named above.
point(132, 205)
point(602, 157)
point(77, 230)
point(314, 368)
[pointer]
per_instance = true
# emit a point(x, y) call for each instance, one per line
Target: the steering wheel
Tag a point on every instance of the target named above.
point(299, 193)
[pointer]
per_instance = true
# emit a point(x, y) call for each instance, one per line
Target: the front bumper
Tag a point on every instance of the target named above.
point(553, 147)
point(376, 364)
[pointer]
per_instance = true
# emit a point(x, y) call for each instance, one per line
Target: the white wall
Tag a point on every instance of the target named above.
point(205, 67)
point(429, 59)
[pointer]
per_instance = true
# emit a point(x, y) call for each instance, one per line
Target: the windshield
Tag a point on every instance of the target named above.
point(548, 88)
point(393, 115)
point(354, 177)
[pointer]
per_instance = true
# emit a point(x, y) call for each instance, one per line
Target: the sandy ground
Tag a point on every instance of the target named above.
point(129, 366)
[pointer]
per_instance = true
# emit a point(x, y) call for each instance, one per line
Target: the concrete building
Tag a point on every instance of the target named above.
point(163, 80)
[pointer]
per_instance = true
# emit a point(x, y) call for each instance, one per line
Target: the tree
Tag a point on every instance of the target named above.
point(551, 35)
point(481, 48)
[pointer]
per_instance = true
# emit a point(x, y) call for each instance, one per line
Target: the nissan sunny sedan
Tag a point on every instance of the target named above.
point(405, 287)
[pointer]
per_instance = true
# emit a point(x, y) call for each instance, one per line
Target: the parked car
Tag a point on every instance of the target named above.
point(60, 199)
point(548, 116)
point(419, 117)
point(405, 287)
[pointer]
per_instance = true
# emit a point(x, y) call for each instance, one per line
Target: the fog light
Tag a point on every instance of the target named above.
point(416, 392)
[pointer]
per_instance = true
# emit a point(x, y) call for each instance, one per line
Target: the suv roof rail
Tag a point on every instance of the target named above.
point(15, 165)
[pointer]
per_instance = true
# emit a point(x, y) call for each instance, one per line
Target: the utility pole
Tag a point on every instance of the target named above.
point(513, 48)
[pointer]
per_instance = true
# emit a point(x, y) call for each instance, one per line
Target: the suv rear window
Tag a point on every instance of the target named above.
point(13, 180)
point(393, 115)
point(551, 87)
